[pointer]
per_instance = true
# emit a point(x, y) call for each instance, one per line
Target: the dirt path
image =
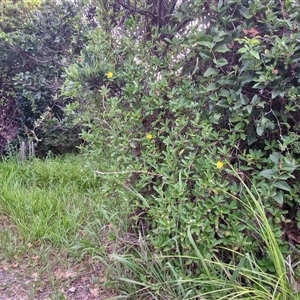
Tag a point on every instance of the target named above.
point(74, 283)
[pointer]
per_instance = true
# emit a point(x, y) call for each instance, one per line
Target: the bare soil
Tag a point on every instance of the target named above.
point(44, 273)
point(78, 282)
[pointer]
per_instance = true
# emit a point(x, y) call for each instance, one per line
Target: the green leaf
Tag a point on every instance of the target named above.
point(288, 165)
point(249, 109)
point(221, 62)
point(244, 99)
point(224, 93)
point(178, 15)
point(275, 93)
point(237, 271)
point(211, 87)
point(210, 45)
point(243, 50)
point(268, 173)
point(254, 54)
point(260, 129)
point(210, 71)
point(239, 126)
point(252, 138)
point(226, 82)
point(282, 185)
point(221, 48)
point(205, 54)
point(278, 198)
point(275, 157)
point(216, 117)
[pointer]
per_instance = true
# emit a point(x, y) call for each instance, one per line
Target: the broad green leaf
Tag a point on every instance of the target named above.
point(216, 117)
point(205, 54)
point(278, 198)
point(254, 54)
point(288, 165)
point(211, 87)
point(249, 109)
point(221, 62)
point(275, 93)
point(210, 71)
point(224, 93)
point(244, 99)
point(247, 78)
point(208, 44)
point(275, 157)
point(260, 129)
point(282, 185)
point(243, 50)
point(239, 126)
point(268, 173)
point(221, 48)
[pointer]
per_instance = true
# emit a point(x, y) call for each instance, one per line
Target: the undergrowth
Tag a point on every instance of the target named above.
point(58, 201)
point(140, 273)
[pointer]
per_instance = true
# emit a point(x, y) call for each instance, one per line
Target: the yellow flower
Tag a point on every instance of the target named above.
point(109, 75)
point(149, 136)
point(219, 165)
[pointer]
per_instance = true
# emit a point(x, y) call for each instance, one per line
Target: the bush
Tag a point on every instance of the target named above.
point(170, 102)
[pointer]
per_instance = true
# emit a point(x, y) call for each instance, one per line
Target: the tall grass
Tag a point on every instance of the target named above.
point(58, 201)
point(138, 274)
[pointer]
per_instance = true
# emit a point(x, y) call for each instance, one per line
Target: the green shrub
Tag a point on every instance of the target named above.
point(168, 103)
point(140, 274)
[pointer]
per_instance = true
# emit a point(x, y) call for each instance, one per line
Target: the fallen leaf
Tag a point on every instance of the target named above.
point(4, 267)
point(102, 279)
point(34, 276)
point(14, 265)
point(94, 292)
point(72, 289)
point(59, 274)
point(251, 32)
point(69, 274)
point(294, 237)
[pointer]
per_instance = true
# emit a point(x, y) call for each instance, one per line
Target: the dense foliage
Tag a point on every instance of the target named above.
point(38, 39)
point(180, 89)
point(171, 95)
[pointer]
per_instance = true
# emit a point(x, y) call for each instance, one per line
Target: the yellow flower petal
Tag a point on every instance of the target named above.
point(149, 136)
point(219, 165)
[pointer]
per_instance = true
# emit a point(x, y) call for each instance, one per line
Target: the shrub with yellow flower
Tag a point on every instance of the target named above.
point(109, 75)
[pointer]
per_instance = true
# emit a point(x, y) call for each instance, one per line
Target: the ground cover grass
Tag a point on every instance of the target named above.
point(54, 213)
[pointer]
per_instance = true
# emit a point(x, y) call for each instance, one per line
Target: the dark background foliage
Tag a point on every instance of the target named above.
point(37, 43)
